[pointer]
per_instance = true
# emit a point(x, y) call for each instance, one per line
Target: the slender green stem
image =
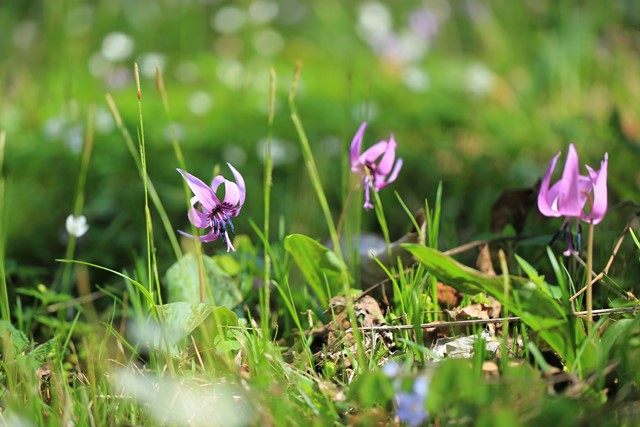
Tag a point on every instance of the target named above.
point(377, 203)
point(4, 296)
point(267, 184)
point(589, 270)
point(153, 194)
point(505, 308)
point(152, 266)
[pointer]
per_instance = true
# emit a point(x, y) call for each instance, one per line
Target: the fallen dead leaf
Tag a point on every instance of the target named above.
point(448, 296)
point(483, 262)
point(490, 369)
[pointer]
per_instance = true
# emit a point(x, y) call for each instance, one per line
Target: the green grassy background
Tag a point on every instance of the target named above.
point(557, 74)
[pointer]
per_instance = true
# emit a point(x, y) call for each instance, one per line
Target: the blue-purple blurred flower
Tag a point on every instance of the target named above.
point(410, 405)
point(376, 165)
point(207, 211)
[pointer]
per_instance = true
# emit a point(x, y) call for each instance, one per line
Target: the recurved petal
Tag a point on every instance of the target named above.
point(356, 144)
point(545, 200)
point(239, 183)
point(570, 203)
point(210, 236)
point(386, 163)
point(231, 193)
point(382, 181)
point(373, 152)
point(216, 181)
point(197, 218)
point(600, 203)
point(201, 190)
point(395, 172)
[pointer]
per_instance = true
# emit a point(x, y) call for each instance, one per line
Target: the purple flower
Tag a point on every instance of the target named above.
point(411, 406)
point(575, 196)
point(375, 165)
point(207, 211)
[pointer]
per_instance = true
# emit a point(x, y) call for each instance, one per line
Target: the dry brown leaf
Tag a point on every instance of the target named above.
point(490, 369)
point(448, 296)
point(483, 262)
point(483, 311)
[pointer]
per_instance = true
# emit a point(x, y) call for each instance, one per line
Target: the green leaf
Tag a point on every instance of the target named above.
point(535, 306)
point(183, 282)
point(180, 319)
point(19, 340)
point(227, 263)
point(371, 388)
point(316, 262)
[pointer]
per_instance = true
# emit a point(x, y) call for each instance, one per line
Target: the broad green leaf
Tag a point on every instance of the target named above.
point(316, 262)
point(19, 340)
point(535, 306)
point(228, 264)
point(180, 319)
point(183, 282)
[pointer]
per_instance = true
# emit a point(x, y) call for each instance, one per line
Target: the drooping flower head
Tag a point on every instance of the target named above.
point(209, 212)
point(375, 165)
point(575, 196)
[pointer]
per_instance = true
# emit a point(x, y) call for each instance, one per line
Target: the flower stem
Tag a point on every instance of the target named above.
point(589, 274)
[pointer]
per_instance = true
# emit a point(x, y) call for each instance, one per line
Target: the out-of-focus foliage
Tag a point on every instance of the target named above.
point(478, 94)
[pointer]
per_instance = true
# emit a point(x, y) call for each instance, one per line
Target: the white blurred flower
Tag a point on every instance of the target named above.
point(74, 137)
point(231, 73)
point(374, 20)
point(54, 127)
point(281, 152)
point(187, 71)
point(416, 79)
point(174, 130)
point(117, 46)
point(268, 42)
point(150, 62)
point(480, 80)
point(183, 402)
point(24, 34)
point(76, 225)
point(263, 11)
point(118, 77)
point(410, 47)
point(12, 419)
point(235, 155)
point(199, 103)
point(229, 20)
point(104, 121)
point(98, 65)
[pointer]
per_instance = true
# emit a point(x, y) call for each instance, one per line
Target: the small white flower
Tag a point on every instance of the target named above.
point(200, 103)
point(117, 46)
point(480, 80)
point(76, 225)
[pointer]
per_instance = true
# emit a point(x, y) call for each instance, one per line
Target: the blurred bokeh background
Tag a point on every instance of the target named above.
point(479, 94)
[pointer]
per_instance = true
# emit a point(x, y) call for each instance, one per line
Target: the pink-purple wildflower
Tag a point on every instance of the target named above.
point(376, 165)
point(209, 212)
point(583, 197)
